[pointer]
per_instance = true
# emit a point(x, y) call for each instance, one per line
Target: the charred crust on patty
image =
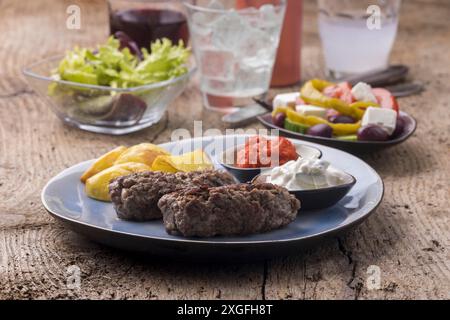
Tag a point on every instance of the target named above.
point(238, 209)
point(135, 197)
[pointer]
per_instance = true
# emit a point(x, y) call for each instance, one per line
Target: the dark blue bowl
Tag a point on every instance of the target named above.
point(355, 147)
point(317, 198)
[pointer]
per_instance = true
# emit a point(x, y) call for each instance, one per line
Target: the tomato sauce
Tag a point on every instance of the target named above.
point(260, 152)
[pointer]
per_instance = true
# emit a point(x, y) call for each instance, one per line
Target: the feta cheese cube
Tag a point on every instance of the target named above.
point(363, 92)
point(308, 110)
point(285, 99)
point(385, 118)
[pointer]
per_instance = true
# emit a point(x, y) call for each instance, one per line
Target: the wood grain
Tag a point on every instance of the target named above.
point(408, 237)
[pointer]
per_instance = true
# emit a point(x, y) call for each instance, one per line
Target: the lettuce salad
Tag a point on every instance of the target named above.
point(109, 65)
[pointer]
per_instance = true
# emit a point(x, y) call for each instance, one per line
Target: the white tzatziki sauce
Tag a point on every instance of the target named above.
point(306, 174)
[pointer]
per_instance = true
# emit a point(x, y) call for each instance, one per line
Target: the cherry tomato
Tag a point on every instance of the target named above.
point(299, 101)
point(348, 97)
point(345, 86)
point(342, 91)
point(385, 99)
point(332, 91)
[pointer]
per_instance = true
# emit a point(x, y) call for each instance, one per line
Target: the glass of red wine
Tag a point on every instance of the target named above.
point(145, 21)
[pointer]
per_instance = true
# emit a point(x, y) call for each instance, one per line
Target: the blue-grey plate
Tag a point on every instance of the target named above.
point(64, 198)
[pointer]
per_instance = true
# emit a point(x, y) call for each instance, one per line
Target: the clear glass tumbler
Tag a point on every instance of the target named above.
point(357, 35)
point(235, 50)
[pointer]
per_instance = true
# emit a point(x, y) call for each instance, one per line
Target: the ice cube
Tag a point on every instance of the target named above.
point(256, 62)
point(199, 18)
point(251, 16)
point(217, 87)
point(253, 80)
point(270, 17)
point(268, 12)
point(256, 44)
point(249, 11)
point(198, 24)
point(229, 31)
point(216, 5)
point(217, 64)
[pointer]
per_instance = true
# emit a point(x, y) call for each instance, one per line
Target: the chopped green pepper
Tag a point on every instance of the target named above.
point(295, 126)
point(352, 137)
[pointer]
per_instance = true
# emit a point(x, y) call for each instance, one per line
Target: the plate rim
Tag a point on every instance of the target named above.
point(366, 213)
point(386, 143)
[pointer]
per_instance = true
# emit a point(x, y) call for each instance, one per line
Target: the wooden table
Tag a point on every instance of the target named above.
point(407, 238)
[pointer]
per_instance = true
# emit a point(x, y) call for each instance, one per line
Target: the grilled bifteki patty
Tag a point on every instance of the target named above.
point(135, 197)
point(238, 209)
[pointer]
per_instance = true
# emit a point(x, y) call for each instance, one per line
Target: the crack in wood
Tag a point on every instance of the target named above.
point(264, 280)
point(29, 226)
point(353, 283)
point(16, 94)
point(304, 279)
point(345, 252)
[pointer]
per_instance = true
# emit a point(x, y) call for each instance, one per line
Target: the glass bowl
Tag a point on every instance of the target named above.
point(104, 109)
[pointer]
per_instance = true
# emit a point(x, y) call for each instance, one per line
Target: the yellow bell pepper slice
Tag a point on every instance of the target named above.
point(311, 93)
point(364, 104)
point(345, 129)
point(280, 110)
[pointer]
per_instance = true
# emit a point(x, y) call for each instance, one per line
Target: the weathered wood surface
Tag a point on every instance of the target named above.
point(408, 237)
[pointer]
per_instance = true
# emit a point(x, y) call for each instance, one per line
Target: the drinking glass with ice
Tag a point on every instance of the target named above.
point(235, 50)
